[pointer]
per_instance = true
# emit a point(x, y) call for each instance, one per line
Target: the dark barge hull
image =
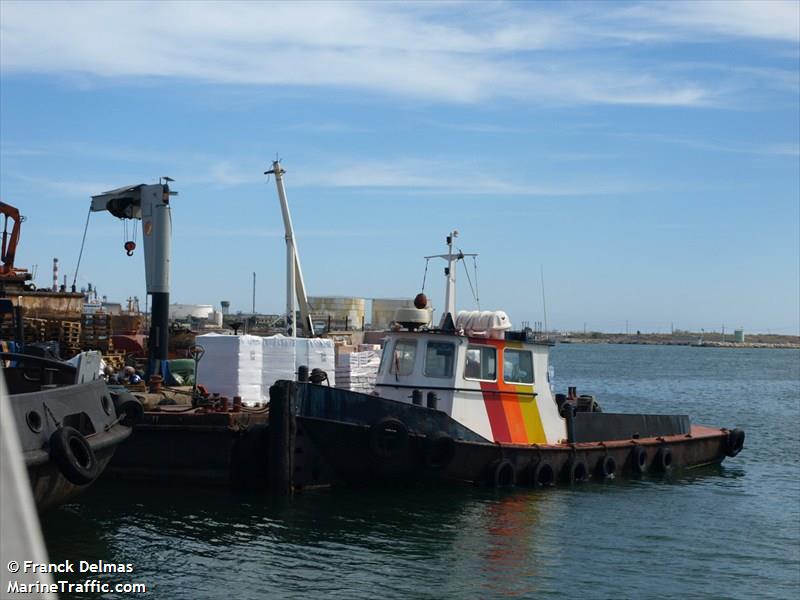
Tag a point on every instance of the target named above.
point(186, 445)
point(322, 435)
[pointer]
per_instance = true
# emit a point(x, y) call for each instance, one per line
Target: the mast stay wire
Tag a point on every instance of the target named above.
point(80, 254)
point(425, 275)
point(466, 271)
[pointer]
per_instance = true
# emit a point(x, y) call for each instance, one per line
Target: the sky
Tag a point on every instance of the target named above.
point(643, 156)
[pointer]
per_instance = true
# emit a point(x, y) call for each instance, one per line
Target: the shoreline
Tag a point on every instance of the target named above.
point(785, 342)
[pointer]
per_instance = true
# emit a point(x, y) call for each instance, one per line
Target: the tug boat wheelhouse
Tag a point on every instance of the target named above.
point(470, 401)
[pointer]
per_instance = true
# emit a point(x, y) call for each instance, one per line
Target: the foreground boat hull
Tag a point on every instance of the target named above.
point(49, 485)
point(351, 438)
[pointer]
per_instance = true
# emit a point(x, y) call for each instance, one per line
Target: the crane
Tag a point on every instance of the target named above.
point(150, 204)
point(8, 273)
point(295, 284)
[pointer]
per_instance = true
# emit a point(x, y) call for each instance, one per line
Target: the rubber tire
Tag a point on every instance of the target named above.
point(502, 474)
point(639, 460)
point(576, 471)
point(734, 443)
point(73, 455)
point(440, 449)
point(607, 467)
point(388, 438)
point(663, 460)
point(543, 474)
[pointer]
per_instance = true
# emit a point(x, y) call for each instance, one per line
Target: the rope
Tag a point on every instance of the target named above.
point(425, 275)
point(475, 265)
point(80, 254)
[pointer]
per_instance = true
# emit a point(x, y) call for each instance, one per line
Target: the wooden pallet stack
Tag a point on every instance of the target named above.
point(36, 330)
point(69, 336)
point(115, 359)
point(96, 333)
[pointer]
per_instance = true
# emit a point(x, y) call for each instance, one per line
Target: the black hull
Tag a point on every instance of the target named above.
point(341, 437)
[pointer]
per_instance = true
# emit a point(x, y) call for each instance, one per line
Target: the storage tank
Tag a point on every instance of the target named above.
point(344, 312)
point(186, 311)
point(383, 310)
point(738, 336)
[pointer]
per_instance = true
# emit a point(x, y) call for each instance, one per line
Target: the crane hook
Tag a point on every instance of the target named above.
point(130, 247)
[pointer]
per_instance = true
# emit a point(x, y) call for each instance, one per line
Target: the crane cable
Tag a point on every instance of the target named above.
point(80, 255)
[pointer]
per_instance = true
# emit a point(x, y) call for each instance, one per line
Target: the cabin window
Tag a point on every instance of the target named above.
point(517, 366)
point(405, 352)
point(481, 363)
point(439, 359)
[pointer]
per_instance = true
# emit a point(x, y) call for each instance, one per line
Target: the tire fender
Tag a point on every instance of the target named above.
point(73, 455)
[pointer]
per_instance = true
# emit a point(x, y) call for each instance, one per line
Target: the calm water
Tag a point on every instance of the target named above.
point(723, 532)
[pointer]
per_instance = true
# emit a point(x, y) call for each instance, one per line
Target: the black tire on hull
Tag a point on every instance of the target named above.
point(606, 467)
point(576, 470)
point(502, 474)
point(543, 474)
point(734, 443)
point(663, 460)
point(639, 460)
point(388, 438)
point(440, 449)
point(74, 456)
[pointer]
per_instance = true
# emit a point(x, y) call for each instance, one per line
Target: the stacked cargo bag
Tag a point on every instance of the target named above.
point(357, 371)
point(317, 353)
point(278, 360)
point(232, 366)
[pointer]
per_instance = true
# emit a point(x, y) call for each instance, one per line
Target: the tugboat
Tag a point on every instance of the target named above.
point(69, 421)
point(471, 401)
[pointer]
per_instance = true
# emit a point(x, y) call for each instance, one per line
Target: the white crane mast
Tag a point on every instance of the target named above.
point(295, 285)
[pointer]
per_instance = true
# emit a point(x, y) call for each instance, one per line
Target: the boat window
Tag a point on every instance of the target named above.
point(517, 366)
point(405, 351)
point(439, 359)
point(481, 363)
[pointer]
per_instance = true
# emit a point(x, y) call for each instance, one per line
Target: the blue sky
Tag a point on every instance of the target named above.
point(646, 154)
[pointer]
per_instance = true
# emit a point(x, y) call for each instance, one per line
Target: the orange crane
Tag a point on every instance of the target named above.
point(8, 273)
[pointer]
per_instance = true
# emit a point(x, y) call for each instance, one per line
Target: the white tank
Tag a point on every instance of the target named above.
point(186, 311)
point(343, 311)
point(384, 309)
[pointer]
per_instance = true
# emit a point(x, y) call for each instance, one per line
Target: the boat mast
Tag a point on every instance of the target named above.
point(295, 285)
point(450, 275)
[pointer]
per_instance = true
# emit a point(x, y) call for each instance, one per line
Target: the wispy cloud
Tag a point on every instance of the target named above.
point(775, 20)
point(444, 177)
point(462, 53)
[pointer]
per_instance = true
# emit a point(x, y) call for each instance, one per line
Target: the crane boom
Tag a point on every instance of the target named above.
point(295, 284)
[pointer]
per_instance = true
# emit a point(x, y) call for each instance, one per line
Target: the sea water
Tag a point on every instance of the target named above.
point(731, 531)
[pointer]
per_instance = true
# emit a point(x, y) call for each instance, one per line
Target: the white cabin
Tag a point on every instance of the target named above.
point(497, 387)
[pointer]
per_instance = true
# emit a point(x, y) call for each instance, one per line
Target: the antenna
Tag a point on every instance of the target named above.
point(544, 300)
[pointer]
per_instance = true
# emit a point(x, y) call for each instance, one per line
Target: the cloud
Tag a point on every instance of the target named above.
point(459, 53)
point(775, 20)
point(443, 177)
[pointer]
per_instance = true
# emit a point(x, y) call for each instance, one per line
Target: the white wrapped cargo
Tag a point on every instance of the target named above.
point(358, 371)
point(232, 366)
point(247, 365)
point(317, 353)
